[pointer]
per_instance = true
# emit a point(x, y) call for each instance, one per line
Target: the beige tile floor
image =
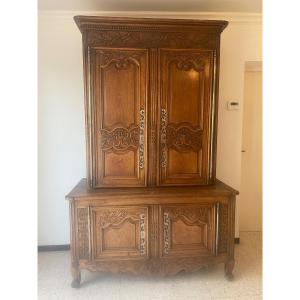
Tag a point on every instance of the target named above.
point(54, 279)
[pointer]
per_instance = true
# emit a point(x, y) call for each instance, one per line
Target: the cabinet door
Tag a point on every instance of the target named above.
point(186, 115)
point(119, 123)
point(119, 232)
point(188, 230)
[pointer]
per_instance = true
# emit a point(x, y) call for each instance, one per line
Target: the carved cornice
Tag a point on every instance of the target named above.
point(153, 33)
point(149, 24)
point(151, 39)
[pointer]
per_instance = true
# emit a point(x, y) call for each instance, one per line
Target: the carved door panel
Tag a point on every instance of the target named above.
point(119, 232)
point(186, 84)
point(188, 230)
point(119, 108)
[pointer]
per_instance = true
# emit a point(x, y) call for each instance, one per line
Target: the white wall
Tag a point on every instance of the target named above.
point(61, 109)
point(241, 42)
point(61, 124)
point(251, 162)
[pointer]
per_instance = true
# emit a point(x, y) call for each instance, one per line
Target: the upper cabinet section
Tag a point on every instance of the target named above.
point(151, 88)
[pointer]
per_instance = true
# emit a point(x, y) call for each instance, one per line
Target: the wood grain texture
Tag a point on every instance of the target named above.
point(188, 230)
point(119, 232)
point(118, 109)
point(151, 203)
point(82, 191)
point(185, 102)
point(129, 232)
point(133, 67)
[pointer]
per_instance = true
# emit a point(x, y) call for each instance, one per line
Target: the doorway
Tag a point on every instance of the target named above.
point(251, 164)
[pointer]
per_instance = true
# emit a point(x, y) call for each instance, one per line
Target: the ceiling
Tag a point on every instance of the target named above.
point(246, 6)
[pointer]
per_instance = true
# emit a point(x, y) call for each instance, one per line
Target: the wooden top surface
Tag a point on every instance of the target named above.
point(91, 22)
point(219, 188)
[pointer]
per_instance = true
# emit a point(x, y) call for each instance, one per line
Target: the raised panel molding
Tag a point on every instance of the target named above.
point(184, 137)
point(114, 218)
point(200, 216)
point(117, 123)
point(186, 101)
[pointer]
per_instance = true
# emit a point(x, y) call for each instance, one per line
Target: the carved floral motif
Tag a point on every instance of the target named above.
point(83, 234)
point(120, 59)
point(190, 61)
point(184, 138)
point(191, 214)
point(124, 139)
point(150, 266)
point(118, 36)
point(223, 228)
point(120, 138)
point(116, 216)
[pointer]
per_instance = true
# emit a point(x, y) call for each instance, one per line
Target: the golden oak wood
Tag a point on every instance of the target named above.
point(185, 102)
point(151, 203)
point(120, 109)
point(151, 88)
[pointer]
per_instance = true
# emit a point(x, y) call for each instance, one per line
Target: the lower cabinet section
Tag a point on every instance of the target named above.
point(156, 234)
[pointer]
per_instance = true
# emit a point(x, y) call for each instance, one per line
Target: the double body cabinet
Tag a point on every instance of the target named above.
point(151, 202)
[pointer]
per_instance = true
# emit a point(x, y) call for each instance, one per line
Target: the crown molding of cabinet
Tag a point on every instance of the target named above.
point(233, 17)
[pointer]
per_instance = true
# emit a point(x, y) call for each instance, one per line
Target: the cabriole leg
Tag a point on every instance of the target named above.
point(229, 265)
point(76, 277)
